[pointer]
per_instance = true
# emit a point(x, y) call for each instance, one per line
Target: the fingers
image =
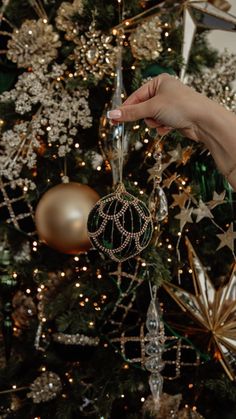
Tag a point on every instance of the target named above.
point(134, 112)
point(144, 93)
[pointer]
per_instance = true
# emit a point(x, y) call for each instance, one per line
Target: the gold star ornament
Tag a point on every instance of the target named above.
point(214, 310)
point(205, 15)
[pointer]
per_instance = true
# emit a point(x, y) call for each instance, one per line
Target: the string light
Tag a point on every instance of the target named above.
point(142, 399)
point(77, 284)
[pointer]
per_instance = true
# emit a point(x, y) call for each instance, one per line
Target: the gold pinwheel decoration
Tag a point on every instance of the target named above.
point(214, 309)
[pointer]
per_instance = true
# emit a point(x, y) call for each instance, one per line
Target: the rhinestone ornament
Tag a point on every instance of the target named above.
point(120, 225)
point(94, 54)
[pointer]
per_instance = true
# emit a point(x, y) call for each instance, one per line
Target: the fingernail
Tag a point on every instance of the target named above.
point(115, 114)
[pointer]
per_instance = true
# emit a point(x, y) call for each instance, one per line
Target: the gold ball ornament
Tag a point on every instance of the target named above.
point(61, 217)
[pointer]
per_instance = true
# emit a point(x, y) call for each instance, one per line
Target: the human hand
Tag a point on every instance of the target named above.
point(164, 103)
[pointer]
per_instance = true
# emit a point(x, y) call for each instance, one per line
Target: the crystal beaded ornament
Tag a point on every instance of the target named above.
point(120, 224)
point(158, 205)
point(154, 348)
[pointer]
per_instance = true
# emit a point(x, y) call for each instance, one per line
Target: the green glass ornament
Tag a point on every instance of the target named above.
point(120, 225)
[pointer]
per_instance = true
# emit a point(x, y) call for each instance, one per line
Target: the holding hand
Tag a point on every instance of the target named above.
point(165, 103)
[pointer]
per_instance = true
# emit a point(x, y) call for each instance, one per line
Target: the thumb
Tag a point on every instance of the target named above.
point(134, 112)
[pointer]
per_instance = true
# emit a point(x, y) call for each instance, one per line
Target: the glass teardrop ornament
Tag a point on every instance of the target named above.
point(153, 319)
point(153, 348)
point(156, 385)
point(158, 205)
point(111, 135)
point(154, 363)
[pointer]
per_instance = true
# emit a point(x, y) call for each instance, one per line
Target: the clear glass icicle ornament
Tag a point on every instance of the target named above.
point(110, 135)
point(158, 205)
point(154, 347)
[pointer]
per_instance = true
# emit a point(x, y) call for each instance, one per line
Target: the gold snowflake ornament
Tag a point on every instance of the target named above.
point(34, 44)
point(94, 54)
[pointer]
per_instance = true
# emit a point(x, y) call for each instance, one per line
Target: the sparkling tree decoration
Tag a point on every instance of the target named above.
point(120, 225)
point(45, 387)
point(34, 44)
point(110, 135)
point(94, 54)
point(145, 41)
point(65, 20)
point(158, 205)
point(154, 348)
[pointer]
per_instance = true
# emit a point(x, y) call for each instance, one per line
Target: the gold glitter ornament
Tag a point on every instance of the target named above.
point(64, 19)
point(145, 41)
point(94, 54)
point(34, 44)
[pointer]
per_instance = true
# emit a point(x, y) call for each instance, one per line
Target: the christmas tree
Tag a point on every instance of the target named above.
point(133, 315)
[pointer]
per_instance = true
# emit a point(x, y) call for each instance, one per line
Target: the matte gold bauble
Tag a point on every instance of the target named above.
point(61, 217)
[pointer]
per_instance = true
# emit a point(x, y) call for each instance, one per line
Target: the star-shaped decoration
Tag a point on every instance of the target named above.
point(180, 155)
point(202, 14)
point(214, 310)
point(217, 199)
point(227, 238)
point(184, 216)
point(180, 199)
point(202, 211)
point(169, 180)
point(153, 171)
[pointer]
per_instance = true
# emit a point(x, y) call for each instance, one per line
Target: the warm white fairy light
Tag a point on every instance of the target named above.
point(84, 268)
point(77, 284)
point(63, 274)
point(28, 291)
point(76, 258)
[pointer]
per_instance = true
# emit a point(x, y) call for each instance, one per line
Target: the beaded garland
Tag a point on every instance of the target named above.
point(120, 225)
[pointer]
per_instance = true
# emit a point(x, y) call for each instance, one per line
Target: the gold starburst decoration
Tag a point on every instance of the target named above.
point(94, 54)
point(214, 310)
